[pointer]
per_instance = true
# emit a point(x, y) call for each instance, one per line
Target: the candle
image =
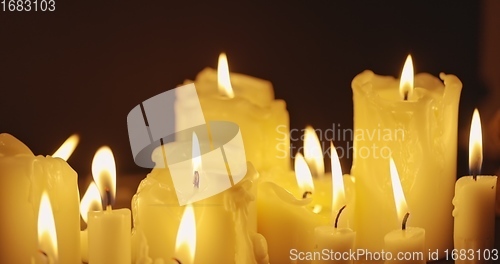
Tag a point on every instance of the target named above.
point(91, 201)
point(24, 178)
point(227, 212)
point(338, 242)
point(286, 213)
point(405, 245)
point(185, 244)
point(47, 234)
point(108, 230)
point(418, 128)
point(474, 213)
point(246, 101)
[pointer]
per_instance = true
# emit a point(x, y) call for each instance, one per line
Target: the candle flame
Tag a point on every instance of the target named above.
point(338, 192)
point(47, 236)
point(313, 152)
point(186, 235)
point(91, 201)
point(303, 174)
point(475, 143)
point(104, 173)
point(406, 82)
point(399, 196)
point(67, 148)
point(223, 79)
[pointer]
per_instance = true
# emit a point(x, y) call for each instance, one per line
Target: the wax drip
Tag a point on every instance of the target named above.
point(338, 215)
point(306, 194)
point(403, 225)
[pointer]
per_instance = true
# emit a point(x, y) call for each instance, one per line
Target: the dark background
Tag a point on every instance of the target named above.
point(83, 67)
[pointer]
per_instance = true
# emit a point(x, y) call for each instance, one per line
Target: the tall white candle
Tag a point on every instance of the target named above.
point(421, 135)
point(474, 229)
point(407, 244)
point(109, 235)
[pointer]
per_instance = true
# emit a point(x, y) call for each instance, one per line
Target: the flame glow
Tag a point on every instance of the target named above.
point(338, 195)
point(406, 81)
point(104, 173)
point(475, 143)
point(91, 201)
point(223, 79)
point(399, 196)
point(313, 152)
point(67, 148)
point(185, 244)
point(47, 236)
point(303, 174)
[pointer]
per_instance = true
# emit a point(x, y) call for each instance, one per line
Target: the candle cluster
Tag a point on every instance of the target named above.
point(222, 190)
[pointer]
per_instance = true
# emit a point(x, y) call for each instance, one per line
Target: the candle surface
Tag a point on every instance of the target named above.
point(405, 246)
point(24, 178)
point(338, 242)
point(421, 134)
point(228, 216)
point(263, 120)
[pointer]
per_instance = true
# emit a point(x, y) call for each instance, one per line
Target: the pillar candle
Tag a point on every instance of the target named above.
point(474, 201)
point(225, 222)
point(263, 120)
point(24, 177)
point(421, 135)
point(109, 237)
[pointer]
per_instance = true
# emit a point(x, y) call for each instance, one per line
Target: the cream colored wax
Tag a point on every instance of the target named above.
point(421, 136)
point(225, 222)
point(334, 245)
point(263, 120)
point(405, 246)
point(474, 227)
point(288, 221)
point(24, 178)
point(109, 236)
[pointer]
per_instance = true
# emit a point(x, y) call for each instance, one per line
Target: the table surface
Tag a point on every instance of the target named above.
point(127, 187)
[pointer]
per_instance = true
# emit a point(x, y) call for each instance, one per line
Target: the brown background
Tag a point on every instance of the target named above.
point(83, 67)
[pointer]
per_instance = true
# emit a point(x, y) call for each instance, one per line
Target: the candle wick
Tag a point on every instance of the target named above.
point(108, 198)
point(338, 216)
point(474, 174)
point(306, 194)
point(177, 260)
point(405, 219)
point(196, 180)
point(406, 96)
